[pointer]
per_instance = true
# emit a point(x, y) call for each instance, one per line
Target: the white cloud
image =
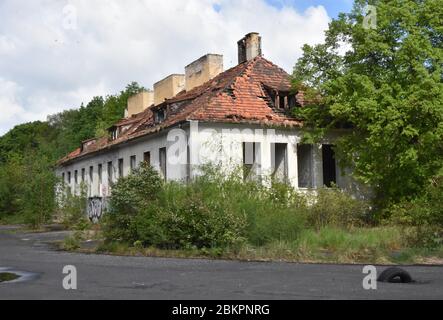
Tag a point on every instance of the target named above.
point(55, 59)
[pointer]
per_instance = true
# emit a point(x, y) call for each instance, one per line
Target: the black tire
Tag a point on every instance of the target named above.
point(395, 275)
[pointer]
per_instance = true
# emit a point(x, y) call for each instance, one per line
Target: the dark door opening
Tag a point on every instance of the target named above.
point(329, 167)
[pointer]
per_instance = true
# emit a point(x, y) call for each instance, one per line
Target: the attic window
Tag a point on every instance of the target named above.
point(282, 100)
point(159, 115)
point(114, 133)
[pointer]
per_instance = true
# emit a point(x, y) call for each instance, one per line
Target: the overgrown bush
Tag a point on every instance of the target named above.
point(424, 214)
point(334, 207)
point(130, 195)
point(216, 210)
point(277, 213)
point(213, 210)
point(72, 208)
point(185, 217)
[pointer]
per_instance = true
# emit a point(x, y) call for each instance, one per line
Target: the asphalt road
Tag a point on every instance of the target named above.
point(114, 277)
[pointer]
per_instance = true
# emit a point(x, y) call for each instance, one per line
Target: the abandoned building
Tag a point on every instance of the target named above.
point(238, 117)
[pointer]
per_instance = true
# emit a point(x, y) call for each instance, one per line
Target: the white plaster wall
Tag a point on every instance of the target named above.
point(208, 143)
point(222, 144)
point(150, 144)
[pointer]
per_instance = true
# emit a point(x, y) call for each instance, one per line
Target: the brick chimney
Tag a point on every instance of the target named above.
point(249, 47)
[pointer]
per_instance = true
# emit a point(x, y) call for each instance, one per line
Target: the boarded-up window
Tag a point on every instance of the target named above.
point(305, 165)
point(329, 167)
point(162, 160)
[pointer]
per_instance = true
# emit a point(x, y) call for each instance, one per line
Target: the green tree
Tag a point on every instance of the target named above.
point(24, 138)
point(387, 87)
point(114, 107)
point(29, 151)
point(37, 196)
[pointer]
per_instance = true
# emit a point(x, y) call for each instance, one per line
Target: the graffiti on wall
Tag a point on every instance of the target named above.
point(96, 208)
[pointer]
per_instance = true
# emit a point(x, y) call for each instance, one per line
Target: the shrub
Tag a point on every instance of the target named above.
point(71, 243)
point(278, 213)
point(216, 210)
point(130, 195)
point(424, 213)
point(72, 208)
point(185, 218)
point(334, 207)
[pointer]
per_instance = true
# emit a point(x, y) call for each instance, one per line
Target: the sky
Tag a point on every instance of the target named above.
point(55, 55)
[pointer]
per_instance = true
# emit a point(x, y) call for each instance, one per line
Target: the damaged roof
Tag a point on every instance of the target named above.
point(238, 95)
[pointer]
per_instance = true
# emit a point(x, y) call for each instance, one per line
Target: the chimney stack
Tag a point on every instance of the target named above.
point(139, 102)
point(249, 47)
point(203, 70)
point(168, 87)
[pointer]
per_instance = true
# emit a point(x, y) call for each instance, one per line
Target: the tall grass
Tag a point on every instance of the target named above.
point(219, 210)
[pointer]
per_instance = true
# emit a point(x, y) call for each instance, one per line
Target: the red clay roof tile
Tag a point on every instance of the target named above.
point(236, 95)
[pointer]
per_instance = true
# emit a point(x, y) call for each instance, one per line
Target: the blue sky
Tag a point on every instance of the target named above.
point(333, 7)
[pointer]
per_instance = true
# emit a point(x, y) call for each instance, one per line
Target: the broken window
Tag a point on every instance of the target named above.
point(305, 165)
point(329, 167)
point(162, 160)
point(75, 176)
point(83, 174)
point(63, 177)
point(69, 177)
point(113, 133)
point(91, 174)
point(99, 171)
point(110, 173)
point(282, 99)
point(147, 157)
point(280, 161)
point(249, 159)
point(159, 115)
point(120, 168)
point(132, 162)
